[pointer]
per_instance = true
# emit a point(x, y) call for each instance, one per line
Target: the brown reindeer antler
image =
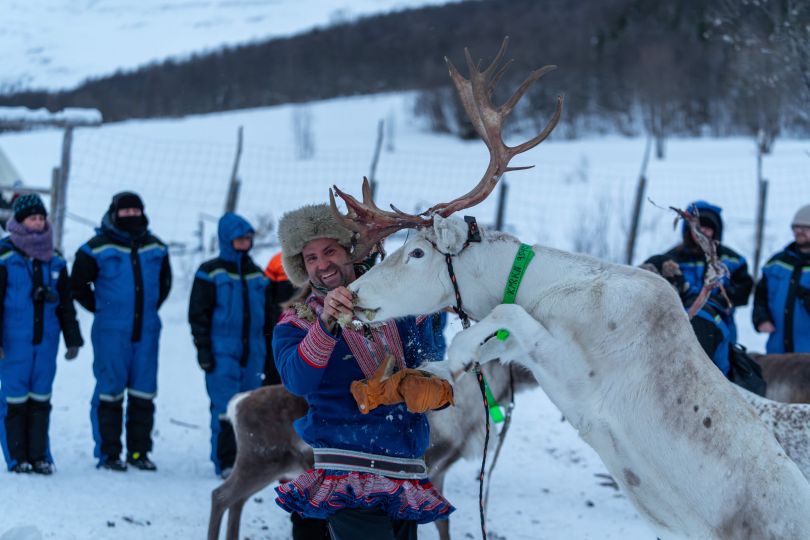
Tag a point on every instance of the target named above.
point(371, 224)
point(715, 269)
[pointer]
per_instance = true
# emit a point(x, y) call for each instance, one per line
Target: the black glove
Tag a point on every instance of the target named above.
point(71, 353)
point(206, 359)
point(2, 353)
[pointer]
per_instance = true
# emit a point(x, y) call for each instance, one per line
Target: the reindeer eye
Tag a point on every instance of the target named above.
point(417, 253)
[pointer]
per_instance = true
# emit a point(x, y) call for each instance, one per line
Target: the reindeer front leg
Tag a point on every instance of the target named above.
point(507, 334)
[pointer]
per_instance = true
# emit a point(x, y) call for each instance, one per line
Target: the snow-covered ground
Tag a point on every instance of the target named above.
point(544, 486)
point(59, 43)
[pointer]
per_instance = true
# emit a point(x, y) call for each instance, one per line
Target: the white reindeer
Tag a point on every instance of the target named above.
point(610, 344)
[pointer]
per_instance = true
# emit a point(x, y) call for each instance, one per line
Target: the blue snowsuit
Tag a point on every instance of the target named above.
point(35, 304)
point(229, 314)
point(714, 336)
point(783, 298)
point(123, 279)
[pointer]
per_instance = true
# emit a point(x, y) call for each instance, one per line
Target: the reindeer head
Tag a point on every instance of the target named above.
point(414, 279)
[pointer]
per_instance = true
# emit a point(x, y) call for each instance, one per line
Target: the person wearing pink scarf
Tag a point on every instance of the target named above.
point(35, 306)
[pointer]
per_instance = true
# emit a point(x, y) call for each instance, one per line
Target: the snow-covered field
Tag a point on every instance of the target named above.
point(544, 486)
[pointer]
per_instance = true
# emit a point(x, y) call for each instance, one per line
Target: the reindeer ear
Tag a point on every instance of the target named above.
point(450, 234)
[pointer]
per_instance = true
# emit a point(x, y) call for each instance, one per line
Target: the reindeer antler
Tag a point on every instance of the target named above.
point(715, 269)
point(476, 97)
point(371, 224)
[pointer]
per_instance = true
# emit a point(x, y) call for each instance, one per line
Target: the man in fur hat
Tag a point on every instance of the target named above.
point(366, 421)
point(782, 298)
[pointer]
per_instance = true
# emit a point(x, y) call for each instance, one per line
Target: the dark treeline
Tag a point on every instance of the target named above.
point(627, 66)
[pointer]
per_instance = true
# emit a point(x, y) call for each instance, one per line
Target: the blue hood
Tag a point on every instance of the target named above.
point(231, 226)
point(710, 215)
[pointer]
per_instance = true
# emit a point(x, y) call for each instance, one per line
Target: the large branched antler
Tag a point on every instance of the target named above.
point(371, 224)
point(716, 270)
point(487, 119)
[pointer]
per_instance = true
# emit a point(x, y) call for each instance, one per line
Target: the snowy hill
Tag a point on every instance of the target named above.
point(579, 190)
point(55, 44)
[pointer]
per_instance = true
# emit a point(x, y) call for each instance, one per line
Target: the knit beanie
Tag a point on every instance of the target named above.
point(802, 216)
point(28, 205)
point(298, 227)
point(125, 199)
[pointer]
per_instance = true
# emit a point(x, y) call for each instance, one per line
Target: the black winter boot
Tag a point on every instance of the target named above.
point(226, 445)
point(16, 422)
point(308, 528)
point(39, 413)
point(140, 419)
point(110, 418)
point(141, 461)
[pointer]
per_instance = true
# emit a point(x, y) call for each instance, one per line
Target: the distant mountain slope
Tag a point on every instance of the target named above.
point(53, 44)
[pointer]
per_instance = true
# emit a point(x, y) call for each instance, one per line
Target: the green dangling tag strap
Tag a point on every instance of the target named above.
point(524, 256)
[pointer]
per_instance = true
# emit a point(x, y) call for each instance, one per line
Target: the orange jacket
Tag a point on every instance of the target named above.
point(275, 270)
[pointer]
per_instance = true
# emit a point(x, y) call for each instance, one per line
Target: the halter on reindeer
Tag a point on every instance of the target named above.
point(610, 344)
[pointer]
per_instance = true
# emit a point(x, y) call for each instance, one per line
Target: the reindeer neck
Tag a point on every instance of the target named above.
point(482, 271)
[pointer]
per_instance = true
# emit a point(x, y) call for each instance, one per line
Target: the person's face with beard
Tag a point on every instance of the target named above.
point(802, 235)
point(328, 263)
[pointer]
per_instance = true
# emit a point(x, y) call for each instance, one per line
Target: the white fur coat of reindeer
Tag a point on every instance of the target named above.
point(611, 345)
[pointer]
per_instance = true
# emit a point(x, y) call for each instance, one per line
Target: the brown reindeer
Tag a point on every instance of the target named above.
point(787, 375)
point(269, 449)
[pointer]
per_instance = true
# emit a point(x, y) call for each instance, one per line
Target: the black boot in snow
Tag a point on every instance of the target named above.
point(39, 414)
point(43, 467)
point(16, 424)
point(112, 463)
point(141, 461)
point(22, 467)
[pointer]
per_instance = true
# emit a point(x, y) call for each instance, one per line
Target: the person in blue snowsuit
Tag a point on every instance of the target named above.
point(122, 275)
point(35, 305)
point(230, 313)
point(369, 480)
point(692, 263)
point(782, 297)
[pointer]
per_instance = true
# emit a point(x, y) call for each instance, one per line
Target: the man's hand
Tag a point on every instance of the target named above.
point(424, 392)
point(206, 359)
point(766, 327)
point(71, 353)
point(338, 302)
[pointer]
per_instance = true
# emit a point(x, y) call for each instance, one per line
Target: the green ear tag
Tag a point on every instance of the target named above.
point(502, 334)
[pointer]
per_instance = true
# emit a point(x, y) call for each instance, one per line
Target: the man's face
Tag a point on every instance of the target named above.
point(328, 263)
point(802, 235)
point(242, 243)
point(129, 212)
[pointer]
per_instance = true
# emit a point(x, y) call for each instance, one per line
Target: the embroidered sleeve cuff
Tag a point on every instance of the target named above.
point(317, 346)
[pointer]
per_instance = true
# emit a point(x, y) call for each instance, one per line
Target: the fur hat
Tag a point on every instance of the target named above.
point(802, 216)
point(297, 228)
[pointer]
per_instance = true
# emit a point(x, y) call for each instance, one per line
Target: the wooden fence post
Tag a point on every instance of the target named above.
point(636, 217)
point(59, 203)
point(234, 184)
point(762, 199)
point(372, 174)
point(500, 217)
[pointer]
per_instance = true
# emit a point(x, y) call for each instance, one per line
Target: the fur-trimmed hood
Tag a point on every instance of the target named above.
point(300, 226)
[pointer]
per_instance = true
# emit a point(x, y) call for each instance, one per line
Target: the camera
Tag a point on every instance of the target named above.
point(44, 294)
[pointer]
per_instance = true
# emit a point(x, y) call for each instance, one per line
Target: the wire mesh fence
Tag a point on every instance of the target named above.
point(576, 198)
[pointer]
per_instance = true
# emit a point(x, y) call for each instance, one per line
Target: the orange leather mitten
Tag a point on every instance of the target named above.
point(424, 391)
point(381, 389)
